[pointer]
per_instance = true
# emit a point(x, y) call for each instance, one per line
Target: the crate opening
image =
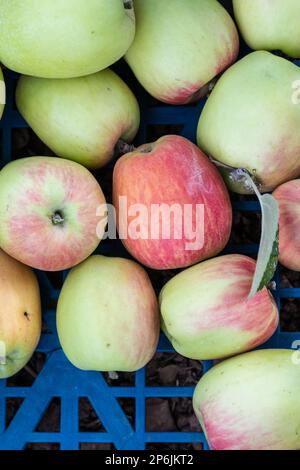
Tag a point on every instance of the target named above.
point(12, 406)
point(50, 420)
point(172, 369)
point(89, 421)
point(128, 407)
point(290, 315)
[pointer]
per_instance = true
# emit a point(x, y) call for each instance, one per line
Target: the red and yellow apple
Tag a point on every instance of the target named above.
point(252, 118)
point(173, 209)
point(107, 315)
point(20, 315)
point(64, 38)
point(206, 312)
point(48, 212)
point(180, 46)
point(81, 119)
point(270, 25)
point(288, 198)
point(251, 402)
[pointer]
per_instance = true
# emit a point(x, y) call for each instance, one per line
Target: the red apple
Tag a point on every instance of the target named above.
point(48, 212)
point(173, 208)
point(288, 198)
point(206, 312)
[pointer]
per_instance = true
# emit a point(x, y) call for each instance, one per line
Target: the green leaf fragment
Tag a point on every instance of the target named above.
point(268, 253)
point(267, 258)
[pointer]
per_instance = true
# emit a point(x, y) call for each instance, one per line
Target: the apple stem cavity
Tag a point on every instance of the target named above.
point(147, 148)
point(57, 218)
point(123, 147)
point(128, 4)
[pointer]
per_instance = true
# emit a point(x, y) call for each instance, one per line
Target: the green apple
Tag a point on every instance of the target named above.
point(81, 119)
point(64, 38)
point(107, 315)
point(251, 402)
point(270, 25)
point(20, 315)
point(180, 46)
point(252, 118)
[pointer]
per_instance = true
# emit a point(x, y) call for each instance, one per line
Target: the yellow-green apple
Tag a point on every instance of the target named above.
point(80, 118)
point(252, 118)
point(270, 25)
point(206, 312)
point(173, 208)
point(180, 46)
point(48, 212)
point(251, 402)
point(107, 315)
point(288, 198)
point(64, 38)
point(20, 315)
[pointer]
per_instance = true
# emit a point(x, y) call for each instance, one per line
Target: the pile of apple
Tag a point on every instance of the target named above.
point(108, 314)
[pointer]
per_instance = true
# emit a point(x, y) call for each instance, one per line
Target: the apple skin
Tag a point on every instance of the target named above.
point(172, 171)
point(269, 25)
point(64, 38)
point(2, 93)
point(20, 315)
point(107, 315)
point(180, 46)
point(251, 402)
point(81, 119)
point(288, 198)
point(48, 214)
point(250, 120)
point(205, 312)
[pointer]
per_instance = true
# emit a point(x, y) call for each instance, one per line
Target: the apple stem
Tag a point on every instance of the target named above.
point(240, 175)
point(123, 147)
point(57, 218)
point(113, 375)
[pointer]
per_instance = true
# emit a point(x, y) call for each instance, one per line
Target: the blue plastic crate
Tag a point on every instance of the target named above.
point(58, 378)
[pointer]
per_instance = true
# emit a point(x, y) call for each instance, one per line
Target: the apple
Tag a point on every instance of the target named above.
point(2, 93)
point(180, 46)
point(172, 206)
point(270, 25)
point(252, 119)
point(64, 38)
point(48, 212)
point(81, 119)
point(20, 315)
point(251, 402)
point(288, 198)
point(107, 315)
point(206, 313)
